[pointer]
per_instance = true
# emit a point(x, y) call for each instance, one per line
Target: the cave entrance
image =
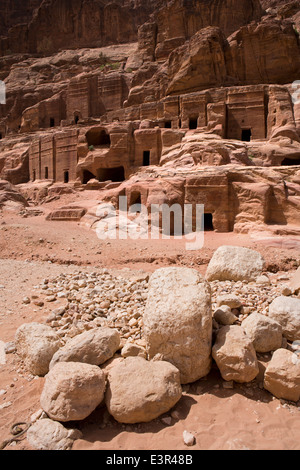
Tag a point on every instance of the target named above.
point(246, 135)
point(66, 177)
point(1, 136)
point(290, 161)
point(46, 173)
point(208, 223)
point(146, 158)
point(52, 122)
point(116, 175)
point(87, 176)
point(76, 119)
point(98, 138)
point(168, 125)
point(135, 202)
point(193, 123)
point(33, 175)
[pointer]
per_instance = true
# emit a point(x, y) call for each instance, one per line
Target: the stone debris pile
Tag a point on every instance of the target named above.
point(93, 300)
point(132, 345)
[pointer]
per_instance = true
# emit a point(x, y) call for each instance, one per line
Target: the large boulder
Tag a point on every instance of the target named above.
point(235, 355)
point(72, 391)
point(91, 347)
point(178, 321)
point(36, 344)
point(139, 391)
point(282, 376)
point(265, 333)
point(286, 311)
point(235, 263)
point(46, 434)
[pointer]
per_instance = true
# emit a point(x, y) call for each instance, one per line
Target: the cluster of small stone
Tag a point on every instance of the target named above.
point(99, 299)
point(96, 300)
point(250, 297)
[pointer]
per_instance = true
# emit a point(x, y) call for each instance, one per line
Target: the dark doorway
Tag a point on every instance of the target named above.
point(290, 161)
point(33, 175)
point(0, 136)
point(136, 200)
point(116, 175)
point(76, 119)
point(66, 177)
point(46, 173)
point(146, 158)
point(168, 125)
point(208, 223)
point(193, 123)
point(246, 135)
point(87, 176)
point(52, 122)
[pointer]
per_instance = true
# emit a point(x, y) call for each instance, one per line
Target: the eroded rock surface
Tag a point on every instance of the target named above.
point(92, 347)
point(46, 434)
point(36, 344)
point(235, 355)
point(140, 391)
point(286, 311)
point(72, 391)
point(178, 321)
point(282, 377)
point(265, 333)
point(235, 263)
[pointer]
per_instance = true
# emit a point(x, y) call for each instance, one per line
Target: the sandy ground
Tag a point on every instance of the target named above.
point(245, 417)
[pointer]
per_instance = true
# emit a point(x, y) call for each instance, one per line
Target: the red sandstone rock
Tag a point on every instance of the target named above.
point(172, 102)
point(10, 197)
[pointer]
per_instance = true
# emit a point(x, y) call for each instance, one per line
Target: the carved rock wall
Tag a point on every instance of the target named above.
point(61, 24)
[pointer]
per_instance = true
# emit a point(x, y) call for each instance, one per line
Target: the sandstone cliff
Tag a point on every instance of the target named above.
point(16, 12)
point(58, 24)
point(97, 90)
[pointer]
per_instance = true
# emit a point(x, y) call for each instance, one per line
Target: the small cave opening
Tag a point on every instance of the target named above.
point(46, 173)
point(87, 176)
point(208, 223)
point(146, 158)
point(246, 135)
point(52, 122)
point(290, 162)
point(135, 202)
point(116, 175)
point(168, 125)
point(98, 138)
point(33, 175)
